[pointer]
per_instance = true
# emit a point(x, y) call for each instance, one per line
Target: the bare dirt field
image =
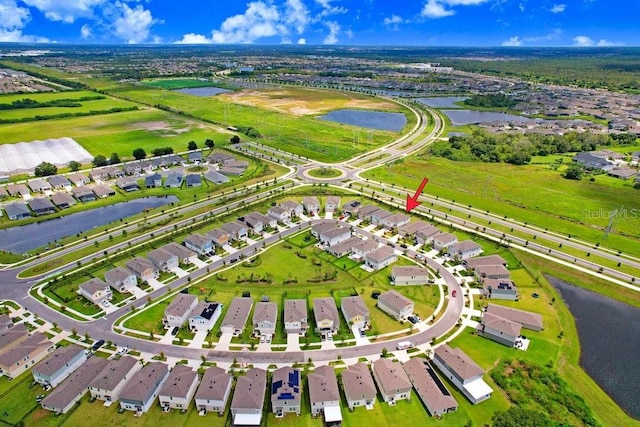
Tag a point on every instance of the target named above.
point(305, 101)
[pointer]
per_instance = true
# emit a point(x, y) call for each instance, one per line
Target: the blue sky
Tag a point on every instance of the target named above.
point(351, 22)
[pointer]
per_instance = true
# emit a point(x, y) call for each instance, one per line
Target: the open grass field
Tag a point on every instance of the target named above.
point(303, 135)
point(171, 84)
point(534, 194)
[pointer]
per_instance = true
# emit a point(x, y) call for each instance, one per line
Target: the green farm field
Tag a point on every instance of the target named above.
point(297, 130)
point(182, 83)
point(534, 194)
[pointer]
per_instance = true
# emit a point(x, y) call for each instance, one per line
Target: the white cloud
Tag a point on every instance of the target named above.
point(558, 8)
point(328, 9)
point(521, 7)
point(583, 41)
point(297, 15)
point(513, 41)
point(85, 31)
point(13, 19)
point(192, 38)
point(393, 20)
point(133, 24)
point(334, 29)
point(302, 40)
point(608, 43)
point(16, 36)
point(443, 8)
point(258, 21)
point(65, 10)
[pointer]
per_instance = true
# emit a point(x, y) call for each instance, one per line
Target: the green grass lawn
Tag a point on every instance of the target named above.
point(18, 398)
point(171, 84)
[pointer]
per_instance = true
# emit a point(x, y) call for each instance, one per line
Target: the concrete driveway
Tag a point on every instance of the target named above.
point(293, 342)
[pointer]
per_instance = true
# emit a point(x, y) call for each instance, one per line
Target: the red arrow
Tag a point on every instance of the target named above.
point(412, 202)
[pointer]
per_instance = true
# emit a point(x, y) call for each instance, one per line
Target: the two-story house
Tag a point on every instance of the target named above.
point(179, 388)
point(392, 380)
point(108, 384)
point(214, 390)
point(295, 316)
point(179, 310)
point(324, 394)
point(286, 391)
point(143, 387)
point(265, 316)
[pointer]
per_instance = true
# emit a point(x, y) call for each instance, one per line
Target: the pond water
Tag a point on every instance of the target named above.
point(467, 117)
point(31, 236)
point(203, 91)
point(442, 102)
point(609, 334)
point(368, 119)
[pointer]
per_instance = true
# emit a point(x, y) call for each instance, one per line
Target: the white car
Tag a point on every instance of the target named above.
point(104, 303)
point(121, 351)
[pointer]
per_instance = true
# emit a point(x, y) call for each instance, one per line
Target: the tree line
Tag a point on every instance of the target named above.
point(62, 102)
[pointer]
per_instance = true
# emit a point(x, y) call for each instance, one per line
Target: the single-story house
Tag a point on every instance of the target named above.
point(248, 398)
point(17, 210)
point(143, 387)
point(483, 272)
point(359, 388)
point(528, 320)
point(193, 180)
point(41, 206)
point(153, 181)
point(237, 315)
point(286, 391)
point(618, 172)
point(295, 316)
point(214, 390)
point(179, 388)
point(463, 372)
point(95, 290)
point(216, 177)
point(409, 275)
point(179, 310)
point(57, 366)
point(220, 158)
point(500, 289)
point(392, 380)
point(204, 316)
point(499, 329)
point(355, 311)
point(174, 180)
point(324, 394)
point(195, 157)
point(127, 184)
point(39, 185)
point(60, 182)
point(326, 315)
point(232, 170)
point(108, 384)
point(83, 193)
point(163, 260)
point(472, 263)
point(79, 179)
point(433, 392)
point(143, 268)
point(103, 191)
point(265, 316)
point(380, 258)
point(18, 190)
point(463, 250)
point(395, 304)
point(199, 243)
point(121, 279)
point(62, 200)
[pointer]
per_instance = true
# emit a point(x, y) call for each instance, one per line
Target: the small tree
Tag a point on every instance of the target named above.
point(114, 159)
point(99, 160)
point(209, 144)
point(74, 165)
point(46, 169)
point(139, 154)
point(235, 139)
point(192, 146)
point(574, 171)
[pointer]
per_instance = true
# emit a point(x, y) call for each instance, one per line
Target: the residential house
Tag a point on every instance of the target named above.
point(472, 263)
point(295, 209)
point(500, 289)
point(179, 388)
point(232, 170)
point(95, 290)
point(41, 206)
point(121, 279)
point(483, 272)
point(17, 210)
point(410, 229)
point(237, 315)
point(163, 260)
point(57, 366)
point(326, 315)
point(286, 391)
point(185, 255)
point(220, 158)
point(24, 354)
point(83, 193)
point(103, 191)
point(618, 172)
point(179, 310)
point(463, 250)
point(142, 268)
point(392, 380)
point(528, 320)
point(499, 329)
point(433, 392)
point(214, 390)
point(108, 384)
point(18, 190)
point(60, 182)
point(199, 243)
point(174, 180)
point(463, 372)
point(393, 222)
point(39, 185)
point(295, 316)
point(255, 222)
point(363, 248)
point(204, 316)
point(323, 227)
point(332, 204)
point(248, 398)
point(193, 180)
point(352, 207)
point(11, 335)
point(279, 214)
point(425, 236)
point(593, 161)
point(62, 200)
point(79, 179)
point(143, 387)
point(355, 311)
point(127, 184)
point(195, 157)
point(324, 394)
point(265, 316)
point(132, 168)
point(216, 177)
point(379, 217)
point(67, 394)
point(444, 240)
point(334, 235)
point(359, 388)
point(395, 304)
point(365, 212)
point(311, 205)
point(380, 258)
point(219, 237)
point(236, 230)
point(343, 248)
point(153, 181)
point(409, 275)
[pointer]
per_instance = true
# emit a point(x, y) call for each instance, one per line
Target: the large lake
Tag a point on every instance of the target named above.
point(203, 91)
point(609, 334)
point(31, 236)
point(442, 102)
point(368, 119)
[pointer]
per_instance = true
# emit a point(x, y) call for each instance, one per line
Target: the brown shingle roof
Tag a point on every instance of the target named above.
point(214, 384)
point(390, 375)
point(525, 318)
point(56, 360)
point(138, 387)
point(458, 362)
point(394, 299)
point(178, 382)
point(424, 378)
point(325, 308)
point(358, 382)
point(265, 312)
point(180, 305)
point(250, 390)
point(323, 385)
point(354, 306)
point(113, 373)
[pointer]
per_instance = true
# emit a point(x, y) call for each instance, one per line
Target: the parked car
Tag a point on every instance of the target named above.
point(454, 293)
point(97, 345)
point(412, 319)
point(175, 330)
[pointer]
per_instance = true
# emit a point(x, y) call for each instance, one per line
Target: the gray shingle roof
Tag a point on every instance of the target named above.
point(214, 383)
point(323, 385)
point(143, 381)
point(56, 360)
point(113, 373)
point(250, 390)
point(178, 382)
